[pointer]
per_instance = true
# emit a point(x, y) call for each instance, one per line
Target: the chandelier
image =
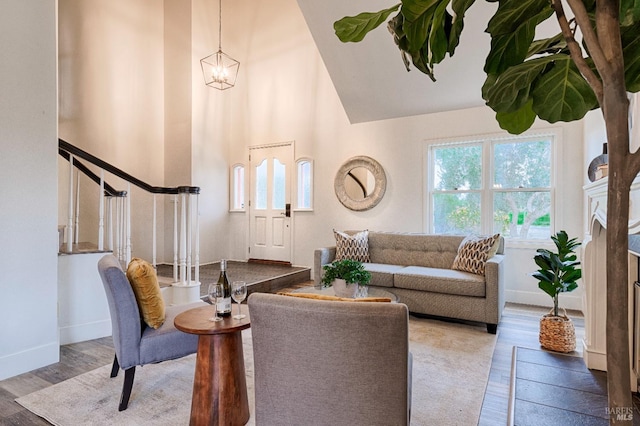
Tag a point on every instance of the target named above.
point(219, 69)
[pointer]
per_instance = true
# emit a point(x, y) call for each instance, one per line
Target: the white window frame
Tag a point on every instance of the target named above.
point(233, 185)
point(487, 194)
point(299, 182)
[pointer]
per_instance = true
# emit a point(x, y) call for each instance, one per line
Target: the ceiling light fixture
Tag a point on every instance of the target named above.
point(219, 69)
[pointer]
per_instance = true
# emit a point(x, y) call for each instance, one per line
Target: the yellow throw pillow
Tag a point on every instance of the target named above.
point(144, 282)
point(336, 298)
point(473, 253)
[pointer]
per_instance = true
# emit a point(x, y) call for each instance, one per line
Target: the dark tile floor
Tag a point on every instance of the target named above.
point(266, 278)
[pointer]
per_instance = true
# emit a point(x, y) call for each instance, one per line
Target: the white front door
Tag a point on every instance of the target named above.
point(270, 202)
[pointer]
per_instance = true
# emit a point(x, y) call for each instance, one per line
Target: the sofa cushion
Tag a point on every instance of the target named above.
point(474, 252)
point(432, 251)
point(447, 281)
point(353, 247)
point(382, 274)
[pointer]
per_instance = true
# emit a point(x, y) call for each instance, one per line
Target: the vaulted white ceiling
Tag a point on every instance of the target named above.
point(370, 77)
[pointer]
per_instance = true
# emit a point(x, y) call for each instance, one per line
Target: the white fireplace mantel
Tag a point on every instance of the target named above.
point(596, 202)
point(594, 261)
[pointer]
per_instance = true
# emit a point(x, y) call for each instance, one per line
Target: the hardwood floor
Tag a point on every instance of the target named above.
point(75, 359)
point(519, 327)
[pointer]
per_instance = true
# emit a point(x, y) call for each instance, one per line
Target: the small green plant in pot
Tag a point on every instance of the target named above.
point(558, 273)
point(345, 275)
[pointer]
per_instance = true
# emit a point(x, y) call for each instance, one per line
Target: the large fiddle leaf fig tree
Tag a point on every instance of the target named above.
point(593, 61)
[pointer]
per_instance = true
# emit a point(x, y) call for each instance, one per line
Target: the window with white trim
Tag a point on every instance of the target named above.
point(492, 185)
point(304, 184)
point(237, 187)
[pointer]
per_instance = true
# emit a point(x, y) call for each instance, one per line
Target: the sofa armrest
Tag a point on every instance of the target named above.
point(321, 257)
point(494, 279)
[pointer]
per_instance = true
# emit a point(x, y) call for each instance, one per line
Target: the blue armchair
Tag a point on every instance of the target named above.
point(135, 343)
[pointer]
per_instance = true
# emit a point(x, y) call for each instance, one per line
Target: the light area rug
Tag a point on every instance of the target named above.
point(451, 364)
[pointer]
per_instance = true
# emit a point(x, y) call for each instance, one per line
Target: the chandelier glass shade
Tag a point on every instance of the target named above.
point(219, 69)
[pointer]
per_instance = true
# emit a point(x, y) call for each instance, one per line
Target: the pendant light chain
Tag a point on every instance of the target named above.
point(220, 25)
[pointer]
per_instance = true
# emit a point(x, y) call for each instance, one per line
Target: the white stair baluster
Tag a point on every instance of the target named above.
point(76, 237)
point(153, 233)
point(109, 223)
point(189, 229)
point(101, 213)
point(70, 218)
point(118, 233)
point(175, 238)
point(183, 240)
point(128, 225)
point(197, 213)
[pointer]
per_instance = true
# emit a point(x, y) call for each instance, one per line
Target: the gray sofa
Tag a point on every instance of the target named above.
point(417, 269)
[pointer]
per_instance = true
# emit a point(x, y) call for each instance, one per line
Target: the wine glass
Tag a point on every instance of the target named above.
point(215, 293)
point(239, 293)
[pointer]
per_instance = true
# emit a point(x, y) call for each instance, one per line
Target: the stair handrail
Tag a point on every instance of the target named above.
point(108, 189)
point(74, 150)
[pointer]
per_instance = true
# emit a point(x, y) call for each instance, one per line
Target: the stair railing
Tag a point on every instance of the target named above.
point(114, 215)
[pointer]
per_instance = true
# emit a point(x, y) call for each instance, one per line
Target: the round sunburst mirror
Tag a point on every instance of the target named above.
point(360, 183)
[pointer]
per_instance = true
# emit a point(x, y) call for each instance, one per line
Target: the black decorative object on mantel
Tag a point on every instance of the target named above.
point(598, 162)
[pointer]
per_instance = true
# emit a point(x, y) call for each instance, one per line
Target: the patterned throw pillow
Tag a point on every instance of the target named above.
point(473, 253)
point(352, 247)
point(144, 282)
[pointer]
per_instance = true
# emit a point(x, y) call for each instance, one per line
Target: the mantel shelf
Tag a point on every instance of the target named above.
point(596, 204)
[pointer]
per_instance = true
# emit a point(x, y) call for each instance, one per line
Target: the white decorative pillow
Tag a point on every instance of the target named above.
point(353, 247)
point(473, 253)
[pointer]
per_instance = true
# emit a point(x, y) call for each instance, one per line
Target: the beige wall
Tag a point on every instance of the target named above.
point(111, 90)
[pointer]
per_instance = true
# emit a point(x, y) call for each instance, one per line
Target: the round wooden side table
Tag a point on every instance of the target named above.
point(219, 386)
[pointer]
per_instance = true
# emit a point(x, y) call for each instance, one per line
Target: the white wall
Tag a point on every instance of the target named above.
point(28, 191)
point(285, 94)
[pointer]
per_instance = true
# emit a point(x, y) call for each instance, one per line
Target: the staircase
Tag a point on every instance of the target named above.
point(103, 212)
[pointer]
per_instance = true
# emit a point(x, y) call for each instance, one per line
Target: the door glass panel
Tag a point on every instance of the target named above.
point(278, 184)
point(304, 185)
point(261, 185)
point(238, 187)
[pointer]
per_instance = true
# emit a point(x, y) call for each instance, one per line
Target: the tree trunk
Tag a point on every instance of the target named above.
point(615, 110)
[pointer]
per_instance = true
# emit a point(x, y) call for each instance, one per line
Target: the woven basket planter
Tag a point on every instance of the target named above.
point(557, 333)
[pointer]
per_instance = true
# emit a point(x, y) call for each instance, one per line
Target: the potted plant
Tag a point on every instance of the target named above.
point(558, 273)
point(345, 275)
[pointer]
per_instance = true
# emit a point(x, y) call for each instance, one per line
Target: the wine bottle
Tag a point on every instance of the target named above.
point(224, 305)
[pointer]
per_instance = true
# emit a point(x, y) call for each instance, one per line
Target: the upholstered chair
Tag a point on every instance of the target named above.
point(321, 362)
point(136, 343)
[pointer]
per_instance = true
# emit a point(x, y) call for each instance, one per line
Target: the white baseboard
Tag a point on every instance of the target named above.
point(83, 332)
point(30, 359)
point(540, 298)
